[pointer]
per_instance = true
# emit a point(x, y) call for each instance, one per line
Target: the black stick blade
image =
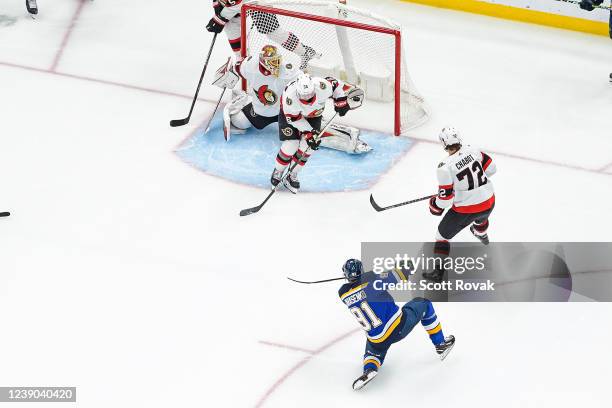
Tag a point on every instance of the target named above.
point(179, 122)
point(376, 206)
point(249, 211)
point(5, 214)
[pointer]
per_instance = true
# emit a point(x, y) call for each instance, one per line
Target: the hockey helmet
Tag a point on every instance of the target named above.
point(305, 87)
point(449, 136)
point(352, 269)
point(270, 59)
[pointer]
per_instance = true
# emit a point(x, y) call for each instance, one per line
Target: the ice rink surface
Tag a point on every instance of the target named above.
point(128, 273)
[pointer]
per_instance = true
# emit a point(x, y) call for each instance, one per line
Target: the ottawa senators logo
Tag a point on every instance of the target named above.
point(266, 96)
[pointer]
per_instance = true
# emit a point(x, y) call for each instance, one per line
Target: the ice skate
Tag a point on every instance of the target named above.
point(435, 276)
point(444, 348)
point(276, 177)
point(484, 238)
point(367, 376)
point(32, 7)
point(292, 183)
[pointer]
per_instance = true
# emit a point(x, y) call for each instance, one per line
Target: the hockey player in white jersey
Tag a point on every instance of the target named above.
point(227, 18)
point(465, 190)
point(266, 78)
point(299, 121)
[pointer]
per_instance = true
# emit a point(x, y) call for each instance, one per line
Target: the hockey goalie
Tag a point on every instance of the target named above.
point(267, 77)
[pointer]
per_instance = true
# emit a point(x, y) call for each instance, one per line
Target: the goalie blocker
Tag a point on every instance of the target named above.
point(267, 77)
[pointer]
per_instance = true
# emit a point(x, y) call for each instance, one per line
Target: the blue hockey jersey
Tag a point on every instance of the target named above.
point(374, 308)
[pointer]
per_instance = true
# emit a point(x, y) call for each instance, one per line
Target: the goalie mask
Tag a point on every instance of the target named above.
point(449, 136)
point(305, 88)
point(270, 60)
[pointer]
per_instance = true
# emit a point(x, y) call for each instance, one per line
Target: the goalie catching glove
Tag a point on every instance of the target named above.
point(352, 100)
point(226, 77)
point(312, 138)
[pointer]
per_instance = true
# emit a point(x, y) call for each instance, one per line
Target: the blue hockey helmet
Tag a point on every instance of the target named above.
point(353, 268)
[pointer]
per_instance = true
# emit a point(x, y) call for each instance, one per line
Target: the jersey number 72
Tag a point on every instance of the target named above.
point(367, 323)
point(467, 172)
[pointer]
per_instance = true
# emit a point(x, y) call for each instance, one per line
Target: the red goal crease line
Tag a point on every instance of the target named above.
point(338, 22)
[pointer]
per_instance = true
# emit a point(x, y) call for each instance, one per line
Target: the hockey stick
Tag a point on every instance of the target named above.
point(184, 121)
point(215, 111)
point(253, 210)
point(577, 2)
point(319, 281)
point(379, 208)
point(5, 214)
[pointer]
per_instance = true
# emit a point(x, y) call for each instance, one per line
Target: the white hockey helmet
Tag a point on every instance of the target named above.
point(305, 87)
point(449, 136)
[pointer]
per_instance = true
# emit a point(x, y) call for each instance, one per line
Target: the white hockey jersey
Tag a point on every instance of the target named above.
point(297, 112)
point(464, 182)
point(231, 8)
point(265, 89)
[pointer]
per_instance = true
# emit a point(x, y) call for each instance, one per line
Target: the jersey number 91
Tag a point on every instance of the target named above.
point(366, 316)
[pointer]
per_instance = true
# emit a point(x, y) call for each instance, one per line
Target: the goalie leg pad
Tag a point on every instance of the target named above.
point(234, 120)
point(239, 121)
point(345, 139)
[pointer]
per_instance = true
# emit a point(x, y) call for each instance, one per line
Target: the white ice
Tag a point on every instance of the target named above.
point(129, 274)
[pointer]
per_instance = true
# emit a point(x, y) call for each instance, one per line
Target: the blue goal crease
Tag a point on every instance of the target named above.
point(249, 158)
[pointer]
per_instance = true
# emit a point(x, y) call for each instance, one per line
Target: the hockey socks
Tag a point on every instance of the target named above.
point(432, 325)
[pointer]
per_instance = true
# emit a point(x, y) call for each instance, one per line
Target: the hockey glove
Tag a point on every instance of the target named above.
point(312, 138)
point(433, 207)
point(341, 105)
point(216, 24)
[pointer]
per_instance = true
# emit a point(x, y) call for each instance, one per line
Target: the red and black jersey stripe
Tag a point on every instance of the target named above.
point(446, 192)
point(486, 160)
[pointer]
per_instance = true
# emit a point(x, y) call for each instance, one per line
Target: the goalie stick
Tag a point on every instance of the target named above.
point(379, 208)
point(5, 214)
point(215, 111)
point(184, 121)
point(253, 210)
point(311, 282)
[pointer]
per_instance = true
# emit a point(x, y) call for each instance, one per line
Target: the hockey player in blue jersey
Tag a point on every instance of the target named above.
point(383, 320)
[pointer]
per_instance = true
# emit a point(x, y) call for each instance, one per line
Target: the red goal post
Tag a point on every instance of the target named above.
point(308, 19)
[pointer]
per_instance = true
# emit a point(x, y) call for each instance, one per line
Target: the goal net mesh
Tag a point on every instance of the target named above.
point(354, 45)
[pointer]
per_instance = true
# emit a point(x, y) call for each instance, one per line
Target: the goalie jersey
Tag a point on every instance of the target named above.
point(264, 88)
point(297, 112)
point(372, 305)
point(464, 182)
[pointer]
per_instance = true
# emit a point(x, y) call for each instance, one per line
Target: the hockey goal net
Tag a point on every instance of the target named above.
point(355, 45)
